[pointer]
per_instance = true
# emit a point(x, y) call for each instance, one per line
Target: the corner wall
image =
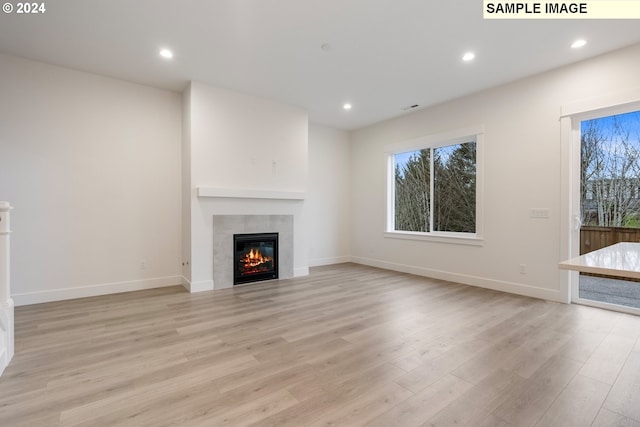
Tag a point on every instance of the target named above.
point(329, 200)
point(92, 166)
point(522, 171)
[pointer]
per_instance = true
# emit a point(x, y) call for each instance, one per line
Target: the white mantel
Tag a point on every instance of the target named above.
point(246, 193)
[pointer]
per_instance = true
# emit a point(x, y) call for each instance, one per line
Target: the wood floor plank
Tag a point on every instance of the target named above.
point(325, 384)
point(624, 397)
point(477, 403)
point(494, 421)
point(577, 405)
point(607, 418)
point(432, 370)
point(247, 413)
point(330, 400)
point(349, 345)
point(418, 409)
point(127, 404)
point(367, 407)
point(606, 362)
point(581, 345)
point(527, 404)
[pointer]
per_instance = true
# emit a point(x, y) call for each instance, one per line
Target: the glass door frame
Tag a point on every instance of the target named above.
point(571, 117)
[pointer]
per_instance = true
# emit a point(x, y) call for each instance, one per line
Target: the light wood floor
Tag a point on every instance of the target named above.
point(347, 346)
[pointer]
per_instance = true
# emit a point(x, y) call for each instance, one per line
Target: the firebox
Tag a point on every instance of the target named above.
point(255, 257)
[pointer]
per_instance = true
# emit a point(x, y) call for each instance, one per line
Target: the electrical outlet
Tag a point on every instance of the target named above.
point(143, 265)
point(523, 269)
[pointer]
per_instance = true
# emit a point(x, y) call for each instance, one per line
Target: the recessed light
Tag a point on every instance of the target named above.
point(469, 56)
point(166, 53)
point(326, 47)
point(578, 43)
point(346, 106)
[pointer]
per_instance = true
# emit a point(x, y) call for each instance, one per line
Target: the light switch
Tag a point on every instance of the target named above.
point(539, 213)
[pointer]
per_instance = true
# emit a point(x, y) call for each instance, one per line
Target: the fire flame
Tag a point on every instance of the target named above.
point(254, 258)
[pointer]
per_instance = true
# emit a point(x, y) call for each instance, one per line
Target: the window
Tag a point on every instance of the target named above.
point(433, 185)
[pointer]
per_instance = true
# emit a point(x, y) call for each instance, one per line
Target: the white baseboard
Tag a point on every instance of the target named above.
point(300, 272)
point(94, 290)
point(186, 283)
point(329, 261)
point(481, 282)
point(193, 287)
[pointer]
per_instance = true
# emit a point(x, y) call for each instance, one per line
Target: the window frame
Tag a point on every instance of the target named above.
point(473, 133)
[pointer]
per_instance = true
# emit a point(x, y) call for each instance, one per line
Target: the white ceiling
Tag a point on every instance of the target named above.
point(385, 54)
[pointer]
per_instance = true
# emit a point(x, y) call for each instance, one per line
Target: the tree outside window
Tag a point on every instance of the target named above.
point(610, 171)
point(435, 189)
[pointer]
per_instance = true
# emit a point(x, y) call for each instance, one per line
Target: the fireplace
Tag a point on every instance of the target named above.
point(255, 257)
point(225, 227)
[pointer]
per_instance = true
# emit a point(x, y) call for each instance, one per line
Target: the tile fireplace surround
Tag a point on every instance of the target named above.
point(225, 226)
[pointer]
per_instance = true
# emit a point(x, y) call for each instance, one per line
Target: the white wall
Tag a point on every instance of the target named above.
point(242, 141)
point(239, 141)
point(329, 201)
point(522, 171)
point(92, 167)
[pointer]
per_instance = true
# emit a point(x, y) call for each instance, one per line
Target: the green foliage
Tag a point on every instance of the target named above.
point(632, 221)
point(455, 190)
point(454, 198)
point(412, 193)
